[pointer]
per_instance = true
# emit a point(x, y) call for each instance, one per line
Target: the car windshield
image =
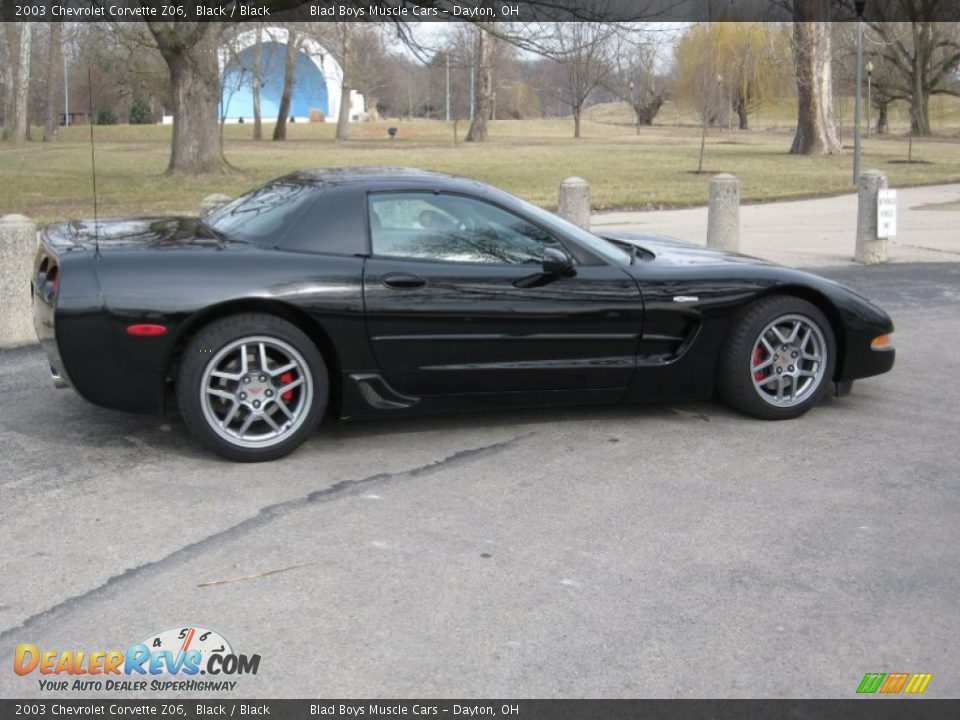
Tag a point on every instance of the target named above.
point(599, 246)
point(263, 215)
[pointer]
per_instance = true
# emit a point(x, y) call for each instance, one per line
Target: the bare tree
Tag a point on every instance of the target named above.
point(345, 36)
point(190, 51)
point(257, 82)
point(922, 58)
point(708, 98)
point(635, 78)
point(54, 77)
point(816, 132)
point(483, 82)
point(290, 64)
point(584, 49)
point(20, 40)
point(8, 53)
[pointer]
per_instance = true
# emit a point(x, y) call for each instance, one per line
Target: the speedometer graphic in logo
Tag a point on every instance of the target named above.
point(183, 639)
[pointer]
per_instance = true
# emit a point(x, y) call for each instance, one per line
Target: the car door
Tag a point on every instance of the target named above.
point(457, 301)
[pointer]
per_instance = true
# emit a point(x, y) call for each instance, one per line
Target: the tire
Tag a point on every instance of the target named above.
point(778, 360)
point(241, 410)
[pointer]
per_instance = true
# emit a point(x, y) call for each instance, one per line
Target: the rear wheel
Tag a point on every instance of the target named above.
point(778, 360)
point(252, 387)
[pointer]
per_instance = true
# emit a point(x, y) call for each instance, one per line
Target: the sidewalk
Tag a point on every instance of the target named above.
point(819, 232)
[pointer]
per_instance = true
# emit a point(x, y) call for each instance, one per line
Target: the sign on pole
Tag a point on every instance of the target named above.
point(886, 213)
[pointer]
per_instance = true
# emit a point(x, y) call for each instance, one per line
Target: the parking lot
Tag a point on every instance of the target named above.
point(658, 551)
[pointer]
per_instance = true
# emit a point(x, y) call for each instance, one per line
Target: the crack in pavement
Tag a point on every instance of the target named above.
point(264, 516)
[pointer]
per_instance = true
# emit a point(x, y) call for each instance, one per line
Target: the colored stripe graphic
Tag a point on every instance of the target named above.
point(918, 683)
point(893, 683)
point(871, 682)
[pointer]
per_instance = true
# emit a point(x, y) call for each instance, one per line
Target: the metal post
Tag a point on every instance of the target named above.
point(471, 92)
point(66, 94)
point(856, 97)
point(448, 87)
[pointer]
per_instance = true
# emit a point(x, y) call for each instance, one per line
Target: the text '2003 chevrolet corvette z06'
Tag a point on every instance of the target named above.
point(370, 292)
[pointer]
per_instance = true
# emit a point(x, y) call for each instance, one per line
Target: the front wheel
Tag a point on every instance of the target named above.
point(252, 387)
point(778, 360)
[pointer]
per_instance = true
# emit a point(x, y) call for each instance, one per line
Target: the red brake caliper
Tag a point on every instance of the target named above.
point(757, 359)
point(286, 378)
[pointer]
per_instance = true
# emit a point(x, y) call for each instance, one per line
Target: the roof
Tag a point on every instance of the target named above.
point(380, 175)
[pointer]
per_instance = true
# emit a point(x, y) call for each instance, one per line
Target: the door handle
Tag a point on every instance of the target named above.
point(402, 281)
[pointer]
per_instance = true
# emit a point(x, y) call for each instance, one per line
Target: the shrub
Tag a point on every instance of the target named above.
point(106, 117)
point(140, 113)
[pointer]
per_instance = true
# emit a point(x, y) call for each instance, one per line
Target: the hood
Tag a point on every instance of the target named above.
point(668, 250)
point(155, 233)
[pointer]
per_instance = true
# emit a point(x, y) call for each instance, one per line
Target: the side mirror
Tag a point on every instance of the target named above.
point(557, 262)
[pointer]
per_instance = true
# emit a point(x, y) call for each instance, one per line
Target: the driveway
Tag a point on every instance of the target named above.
point(660, 551)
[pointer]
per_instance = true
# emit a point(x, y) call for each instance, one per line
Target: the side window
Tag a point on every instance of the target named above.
point(452, 228)
point(333, 224)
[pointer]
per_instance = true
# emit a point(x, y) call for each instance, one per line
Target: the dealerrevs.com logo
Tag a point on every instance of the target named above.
point(170, 660)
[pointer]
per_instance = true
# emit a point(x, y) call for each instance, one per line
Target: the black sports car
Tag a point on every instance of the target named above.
point(366, 292)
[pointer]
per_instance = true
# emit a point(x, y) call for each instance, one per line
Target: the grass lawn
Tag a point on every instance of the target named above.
point(51, 181)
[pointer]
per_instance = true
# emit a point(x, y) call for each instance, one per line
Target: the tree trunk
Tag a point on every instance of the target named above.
point(576, 120)
point(743, 115)
point(647, 111)
point(255, 88)
point(881, 118)
point(51, 124)
point(20, 123)
point(280, 129)
point(703, 142)
point(190, 51)
point(484, 82)
point(919, 114)
point(8, 55)
point(919, 95)
point(343, 117)
point(816, 130)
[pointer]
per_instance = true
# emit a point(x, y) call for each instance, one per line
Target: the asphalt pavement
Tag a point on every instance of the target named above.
point(657, 551)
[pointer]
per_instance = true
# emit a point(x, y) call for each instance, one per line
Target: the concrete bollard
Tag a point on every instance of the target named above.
point(213, 202)
point(723, 217)
point(574, 202)
point(870, 249)
point(18, 247)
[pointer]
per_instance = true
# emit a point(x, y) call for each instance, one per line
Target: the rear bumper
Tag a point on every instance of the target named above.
point(43, 323)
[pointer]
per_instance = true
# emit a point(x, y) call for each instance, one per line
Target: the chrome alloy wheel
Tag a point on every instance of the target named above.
point(788, 361)
point(256, 391)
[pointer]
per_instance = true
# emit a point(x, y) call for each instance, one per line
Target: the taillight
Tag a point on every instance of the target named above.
point(53, 279)
point(48, 277)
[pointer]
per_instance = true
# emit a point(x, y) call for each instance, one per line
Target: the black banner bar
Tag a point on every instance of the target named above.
point(463, 10)
point(873, 708)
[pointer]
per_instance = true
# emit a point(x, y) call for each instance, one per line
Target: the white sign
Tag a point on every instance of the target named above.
point(886, 213)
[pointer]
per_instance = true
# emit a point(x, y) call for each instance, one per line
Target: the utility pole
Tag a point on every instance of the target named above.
point(858, 6)
point(66, 94)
